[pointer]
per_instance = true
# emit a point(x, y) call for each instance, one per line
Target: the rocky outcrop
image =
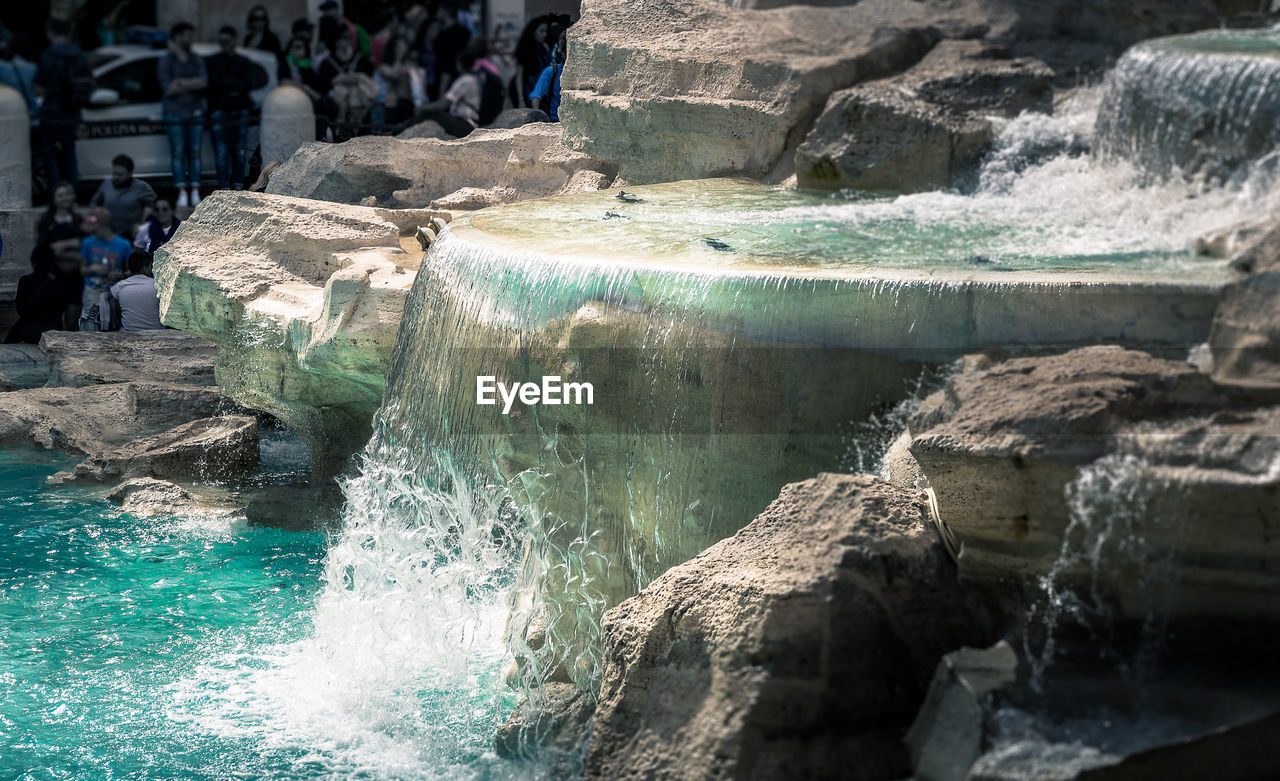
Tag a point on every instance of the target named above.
point(207, 449)
point(83, 358)
point(922, 129)
point(23, 365)
point(303, 298)
point(798, 648)
point(1245, 337)
point(506, 165)
point(94, 419)
point(686, 89)
point(133, 429)
point(147, 497)
point(1015, 452)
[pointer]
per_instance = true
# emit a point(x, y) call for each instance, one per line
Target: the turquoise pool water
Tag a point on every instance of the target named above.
point(102, 616)
point(200, 648)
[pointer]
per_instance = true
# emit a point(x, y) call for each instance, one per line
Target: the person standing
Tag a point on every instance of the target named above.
point(230, 82)
point(182, 78)
point(67, 81)
point(59, 226)
point(129, 200)
point(17, 72)
point(258, 33)
point(546, 93)
point(139, 302)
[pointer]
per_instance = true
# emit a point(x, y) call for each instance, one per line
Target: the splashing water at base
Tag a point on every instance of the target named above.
point(1124, 529)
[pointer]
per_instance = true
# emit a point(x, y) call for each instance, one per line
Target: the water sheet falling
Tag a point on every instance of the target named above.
point(1205, 105)
point(730, 332)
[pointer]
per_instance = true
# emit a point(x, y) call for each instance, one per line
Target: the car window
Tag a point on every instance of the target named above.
point(136, 81)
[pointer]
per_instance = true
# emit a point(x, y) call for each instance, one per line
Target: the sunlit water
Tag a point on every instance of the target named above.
point(198, 647)
point(106, 619)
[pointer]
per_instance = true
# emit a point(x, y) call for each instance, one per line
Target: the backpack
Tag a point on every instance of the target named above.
point(492, 97)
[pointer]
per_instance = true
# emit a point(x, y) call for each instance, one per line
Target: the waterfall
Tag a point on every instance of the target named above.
point(738, 337)
point(1204, 106)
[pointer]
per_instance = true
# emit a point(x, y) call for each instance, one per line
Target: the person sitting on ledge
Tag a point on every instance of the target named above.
point(103, 255)
point(159, 229)
point(128, 200)
point(41, 299)
point(139, 302)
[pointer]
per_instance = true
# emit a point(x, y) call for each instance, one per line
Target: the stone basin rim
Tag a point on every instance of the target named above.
point(1212, 277)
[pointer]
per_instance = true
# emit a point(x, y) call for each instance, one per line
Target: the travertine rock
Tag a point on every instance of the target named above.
point(207, 449)
point(798, 648)
point(24, 365)
point(100, 418)
point(919, 130)
point(882, 137)
point(512, 164)
point(1245, 336)
point(303, 298)
point(78, 358)
point(686, 89)
point(1000, 447)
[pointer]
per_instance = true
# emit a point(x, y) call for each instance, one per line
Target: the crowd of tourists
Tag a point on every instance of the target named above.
point(91, 267)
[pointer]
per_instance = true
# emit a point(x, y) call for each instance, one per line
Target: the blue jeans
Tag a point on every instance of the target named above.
point(185, 135)
point(58, 148)
point(228, 128)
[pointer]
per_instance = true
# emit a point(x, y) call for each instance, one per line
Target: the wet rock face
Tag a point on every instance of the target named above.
point(216, 448)
point(517, 162)
point(303, 298)
point(134, 429)
point(1005, 448)
point(799, 647)
point(1245, 337)
point(687, 89)
point(881, 137)
point(921, 129)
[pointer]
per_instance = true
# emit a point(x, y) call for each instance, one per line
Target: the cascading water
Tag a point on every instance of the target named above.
point(730, 331)
point(1204, 105)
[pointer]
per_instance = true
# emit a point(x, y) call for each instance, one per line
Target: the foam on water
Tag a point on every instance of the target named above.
point(1039, 203)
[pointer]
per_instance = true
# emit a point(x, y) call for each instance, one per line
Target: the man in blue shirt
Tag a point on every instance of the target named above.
point(102, 255)
point(546, 93)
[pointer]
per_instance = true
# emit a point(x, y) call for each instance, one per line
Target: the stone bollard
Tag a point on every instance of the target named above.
point(15, 150)
point(288, 122)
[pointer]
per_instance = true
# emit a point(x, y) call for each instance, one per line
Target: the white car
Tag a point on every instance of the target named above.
point(126, 117)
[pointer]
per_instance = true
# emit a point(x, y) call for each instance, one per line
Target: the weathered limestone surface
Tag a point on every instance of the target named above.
point(303, 298)
point(798, 648)
point(98, 418)
point(999, 448)
point(685, 89)
point(24, 365)
point(505, 164)
point(132, 429)
point(82, 358)
point(207, 449)
point(147, 497)
point(920, 130)
point(1245, 337)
